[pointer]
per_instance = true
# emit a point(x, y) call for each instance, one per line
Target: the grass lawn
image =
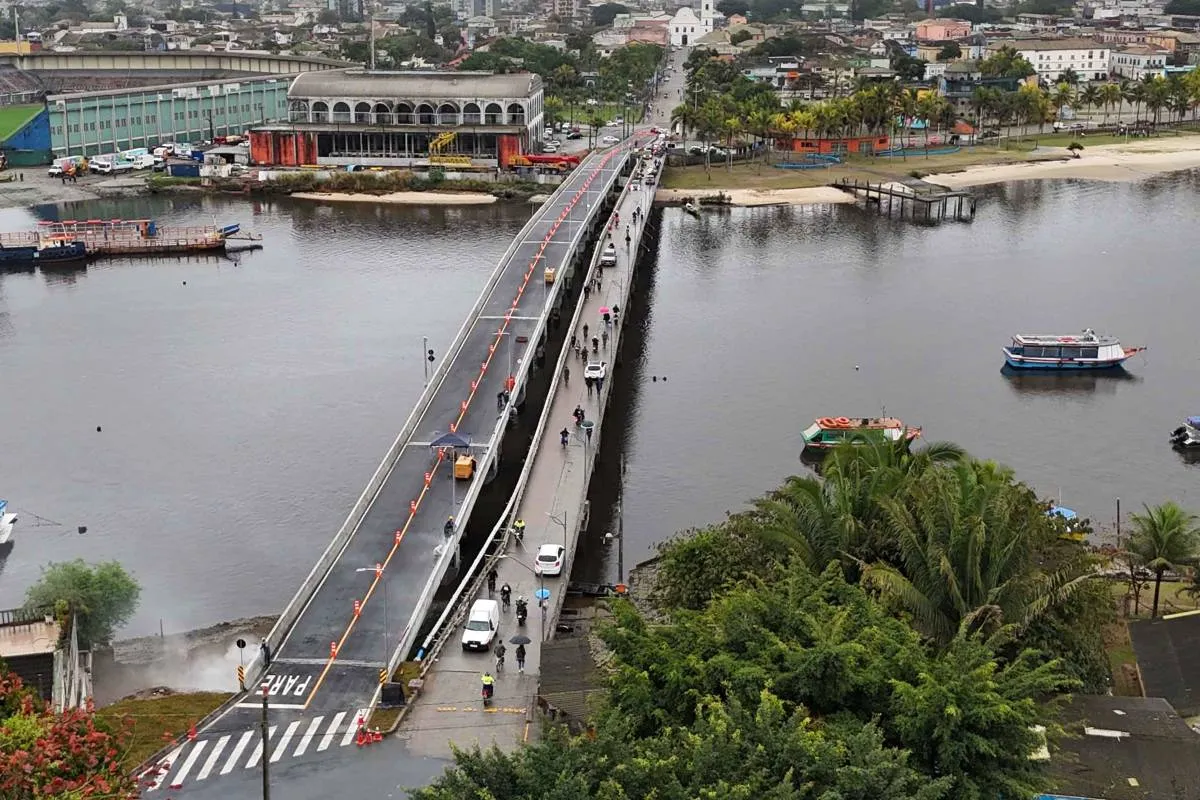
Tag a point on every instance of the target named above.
point(13, 117)
point(760, 175)
point(609, 111)
point(1121, 660)
point(153, 717)
point(385, 718)
point(1170, 599)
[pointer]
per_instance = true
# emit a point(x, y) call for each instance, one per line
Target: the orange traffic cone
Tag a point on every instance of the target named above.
point(192, 732)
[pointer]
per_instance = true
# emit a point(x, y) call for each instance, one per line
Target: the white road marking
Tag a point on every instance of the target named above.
point(237, 752)
point(309, 735)
point(164, 766)
point(352, 728)
point(192, 758)
point(327, 739)
point(213, 756)
point(284, 741)
point(257, 755)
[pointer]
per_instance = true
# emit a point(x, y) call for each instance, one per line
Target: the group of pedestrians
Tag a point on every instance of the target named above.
point(505, 592)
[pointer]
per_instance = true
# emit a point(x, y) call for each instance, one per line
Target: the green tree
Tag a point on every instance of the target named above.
point(968, 545)
point(731, 7)
point(1183, 7)
point(604, 14)
point(1164, 538)
point(102, 598)
point(737, 37)
point(1006, 63)
point(949, 51)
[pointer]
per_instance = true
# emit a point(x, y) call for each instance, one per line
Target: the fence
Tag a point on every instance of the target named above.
point(72, 677)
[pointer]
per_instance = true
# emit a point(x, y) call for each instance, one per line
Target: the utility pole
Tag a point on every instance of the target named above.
point(372, 39)
point(266, 753)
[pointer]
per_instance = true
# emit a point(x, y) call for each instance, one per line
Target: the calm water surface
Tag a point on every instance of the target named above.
point(759, 318)
point(243, 412)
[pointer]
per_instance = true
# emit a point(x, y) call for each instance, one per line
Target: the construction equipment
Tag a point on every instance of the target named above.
point(440, 143)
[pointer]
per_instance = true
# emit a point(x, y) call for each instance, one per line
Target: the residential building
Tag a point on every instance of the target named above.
point(777, 71)
point(960, 80)
point(388, 119)
point(1178, 43)
point(1040, 23)
point(1050, 58)
point(940, 30)
point(1137, 61)
point(465, 9)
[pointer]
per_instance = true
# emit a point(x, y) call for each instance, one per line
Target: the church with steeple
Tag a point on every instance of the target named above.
point(685, 27)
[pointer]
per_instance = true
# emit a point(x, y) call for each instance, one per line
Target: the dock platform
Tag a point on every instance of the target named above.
point(926, 203)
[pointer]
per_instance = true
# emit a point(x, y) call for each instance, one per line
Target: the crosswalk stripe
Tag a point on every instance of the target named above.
point(237, 752)
point(257, 755)
point(327, 739)
point(284, 741)
point(213, 756)
point(164, 766)
point(192, 758)
point(352, 728)
point(306, 740)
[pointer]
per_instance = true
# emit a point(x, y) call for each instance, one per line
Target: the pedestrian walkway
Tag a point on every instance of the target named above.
point(217, 755)
point(449, 708)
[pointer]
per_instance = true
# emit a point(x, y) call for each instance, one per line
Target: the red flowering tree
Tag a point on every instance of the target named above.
point(48, 756)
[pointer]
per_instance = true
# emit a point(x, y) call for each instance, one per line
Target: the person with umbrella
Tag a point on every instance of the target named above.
point(520, 640)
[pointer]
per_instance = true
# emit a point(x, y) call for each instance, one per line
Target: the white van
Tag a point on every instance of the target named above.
point(483, 623)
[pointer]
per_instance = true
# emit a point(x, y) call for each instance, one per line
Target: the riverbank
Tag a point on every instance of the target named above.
point(758, 183)
point(402, 198)
point(1125, 161)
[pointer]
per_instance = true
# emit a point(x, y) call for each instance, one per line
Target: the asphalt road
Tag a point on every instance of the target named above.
point(316, 700)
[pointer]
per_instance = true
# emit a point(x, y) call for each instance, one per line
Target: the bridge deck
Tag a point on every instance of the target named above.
point(448, 708)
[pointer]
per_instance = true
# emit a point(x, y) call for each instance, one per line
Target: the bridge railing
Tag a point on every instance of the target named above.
point(342, 538)
point(473, 575)
point(408, 637)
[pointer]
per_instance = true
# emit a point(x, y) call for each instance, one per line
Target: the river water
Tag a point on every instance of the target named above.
point(243, 412)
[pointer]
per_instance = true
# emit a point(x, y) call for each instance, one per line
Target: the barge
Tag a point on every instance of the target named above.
point(120, 237)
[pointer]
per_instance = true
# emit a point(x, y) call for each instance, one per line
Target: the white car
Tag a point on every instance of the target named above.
point(549, 560)
point(610, 139)
point(595, 369)
point(54, 171)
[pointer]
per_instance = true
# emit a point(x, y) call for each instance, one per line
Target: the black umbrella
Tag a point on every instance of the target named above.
point(520, 638)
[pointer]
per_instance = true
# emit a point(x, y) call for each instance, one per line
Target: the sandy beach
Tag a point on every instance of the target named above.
point(404, 198)
point(1127, 161)
point(814, 195)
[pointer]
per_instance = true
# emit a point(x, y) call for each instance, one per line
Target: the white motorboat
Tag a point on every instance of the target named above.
point(7, 522)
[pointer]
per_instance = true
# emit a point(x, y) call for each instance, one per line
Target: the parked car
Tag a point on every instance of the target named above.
point(483, 622)
point(574, 135)
point(610, 139)
point(55, 171)
point(549, 560)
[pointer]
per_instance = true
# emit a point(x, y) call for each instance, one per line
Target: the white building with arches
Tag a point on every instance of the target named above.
point(381, 118)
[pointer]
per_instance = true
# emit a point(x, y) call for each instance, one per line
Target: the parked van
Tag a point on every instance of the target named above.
point(483, 623)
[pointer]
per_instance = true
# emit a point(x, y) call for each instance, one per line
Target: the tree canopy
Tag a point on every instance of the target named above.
point(604, 14)
point(1006, 63)
point(101, 598)
point(899, 627)
point(1186, 7)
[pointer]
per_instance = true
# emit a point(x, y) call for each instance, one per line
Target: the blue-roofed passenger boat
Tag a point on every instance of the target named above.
point(1085, 351)
point(1187, 436)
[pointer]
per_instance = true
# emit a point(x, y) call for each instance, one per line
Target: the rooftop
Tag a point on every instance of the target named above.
point(24, 633)
point(1126, 748)
point(1057, 44)
point(1165, 651)
point(414, 85)
point(1141, 50)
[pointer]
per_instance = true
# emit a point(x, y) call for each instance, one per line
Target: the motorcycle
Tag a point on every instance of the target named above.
point(522, 611)
point(488, 689)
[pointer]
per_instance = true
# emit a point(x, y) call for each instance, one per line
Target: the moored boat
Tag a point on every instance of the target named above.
point(43, 253)
point(7, 522)
point(828, 432)
point(1054, 351)
point(692, 209)
point(1187, 435)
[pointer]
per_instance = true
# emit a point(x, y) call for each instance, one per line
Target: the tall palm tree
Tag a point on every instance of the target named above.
point(1110, 95)
point(1090, 97)
point(1165, 537)
point(1158, 95)
point(759, 123)
point(967, 549)
point(1134, 93)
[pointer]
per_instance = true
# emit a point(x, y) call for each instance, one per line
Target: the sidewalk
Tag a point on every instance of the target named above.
point(449, 707)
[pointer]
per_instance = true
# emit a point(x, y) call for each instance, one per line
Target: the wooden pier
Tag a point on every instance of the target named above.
point(927, 206)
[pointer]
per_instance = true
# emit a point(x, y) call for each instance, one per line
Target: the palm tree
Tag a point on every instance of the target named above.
point(1110, 95)
point(967, 555)
point(1158, 95)
point(1090, 97)
point(1134, 93)
point(1165, 537)
point(759, 123)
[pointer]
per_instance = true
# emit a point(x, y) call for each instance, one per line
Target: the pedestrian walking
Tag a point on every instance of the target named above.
point(566, 376)
point(608, 319)
point(520, 658)
point(574, 341)
point(599, 384)
point(599, 277)
point(588, 380)
point(595, 344)
point(585, 331)
point(500, 401)
point(588, 431)
point(604, 339)
point(491, 578)
point(587, 290)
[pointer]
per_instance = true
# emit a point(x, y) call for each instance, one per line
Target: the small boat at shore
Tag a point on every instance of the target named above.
point(7, 522)
point(1085, 351)
point(1187, 436)
point(828, 432)
point(692, 209)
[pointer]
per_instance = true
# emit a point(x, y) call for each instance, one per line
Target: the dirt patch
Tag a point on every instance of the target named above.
point(203, 660)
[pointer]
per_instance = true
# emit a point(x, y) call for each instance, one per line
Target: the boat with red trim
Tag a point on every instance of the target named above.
point(828, 432)
point(1053, 351)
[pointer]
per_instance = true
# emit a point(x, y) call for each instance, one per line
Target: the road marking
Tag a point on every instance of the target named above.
point(213, 756)
point(320, 662)
point(501, 316)
point(237, 752)
point(163, 768)
point(285, 741)
point(191, 761)
point(327, 739)
point(257, 755)
point(352, 728)
point(306, 740)
point(273, 705)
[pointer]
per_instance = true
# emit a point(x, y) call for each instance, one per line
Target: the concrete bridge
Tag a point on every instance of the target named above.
point(357, 614)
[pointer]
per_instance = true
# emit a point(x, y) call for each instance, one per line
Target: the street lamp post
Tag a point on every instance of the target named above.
point(266, 753)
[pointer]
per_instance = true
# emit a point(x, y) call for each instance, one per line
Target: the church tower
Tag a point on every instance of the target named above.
point(707, 15)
